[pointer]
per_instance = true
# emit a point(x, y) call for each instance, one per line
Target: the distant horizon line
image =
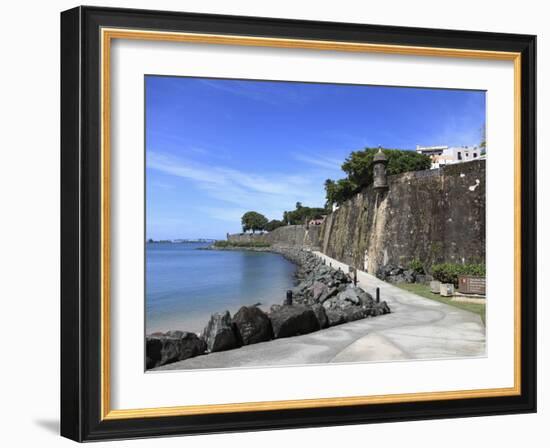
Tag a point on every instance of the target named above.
point(181, 240)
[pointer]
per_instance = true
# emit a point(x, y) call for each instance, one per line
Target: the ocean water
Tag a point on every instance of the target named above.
point(185, 285)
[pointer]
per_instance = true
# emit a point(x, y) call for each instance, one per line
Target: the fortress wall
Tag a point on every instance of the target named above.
point(287, 236)
point(434, 215)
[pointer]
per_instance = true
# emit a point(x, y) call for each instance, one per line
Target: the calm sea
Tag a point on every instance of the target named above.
point(185, 285)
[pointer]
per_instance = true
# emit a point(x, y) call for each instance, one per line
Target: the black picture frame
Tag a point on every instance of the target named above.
point(81, 224)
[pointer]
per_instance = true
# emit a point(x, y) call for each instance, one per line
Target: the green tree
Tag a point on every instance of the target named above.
point(338, 191)
point(253, 221)
point(358, 167)
point(273, 224)
point(302, 214)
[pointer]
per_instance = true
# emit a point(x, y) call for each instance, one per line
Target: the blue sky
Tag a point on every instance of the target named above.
point(218, 148)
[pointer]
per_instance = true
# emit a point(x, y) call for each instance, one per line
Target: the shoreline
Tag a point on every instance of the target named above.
point(322, 297)
point(237, 248)
point(206, 282)
point(417, 328)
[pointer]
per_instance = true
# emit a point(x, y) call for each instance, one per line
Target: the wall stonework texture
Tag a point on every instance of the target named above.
point(435, 216)
point(287, 236)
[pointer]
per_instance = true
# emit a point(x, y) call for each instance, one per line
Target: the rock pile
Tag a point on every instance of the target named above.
point(252, 325)
point(397, 274)
point(164, 348)
point(219, 333)
point(319, 284)
point(323, 297)
point(293, 320)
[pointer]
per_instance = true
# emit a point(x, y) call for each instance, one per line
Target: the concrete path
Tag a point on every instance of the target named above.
point(417, 328)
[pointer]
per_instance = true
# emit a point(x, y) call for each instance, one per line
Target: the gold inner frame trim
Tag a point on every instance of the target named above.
point(107, 35)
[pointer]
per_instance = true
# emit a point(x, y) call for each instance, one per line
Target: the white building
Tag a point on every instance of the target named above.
point(445, 155)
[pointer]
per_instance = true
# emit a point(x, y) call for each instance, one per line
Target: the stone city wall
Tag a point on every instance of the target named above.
point(435, 216)
point(286, 236)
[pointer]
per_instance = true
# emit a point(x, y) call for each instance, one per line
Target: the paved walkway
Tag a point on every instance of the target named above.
point(417, 328)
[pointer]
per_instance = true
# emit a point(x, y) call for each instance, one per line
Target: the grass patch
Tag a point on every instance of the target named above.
point(424, 291)
point(240, 244)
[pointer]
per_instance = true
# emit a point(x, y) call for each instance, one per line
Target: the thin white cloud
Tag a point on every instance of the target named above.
point(258, 91)
point(319, 161)
point(162, 185)
point(232, 215)
point(458, 132)
point(269, 193)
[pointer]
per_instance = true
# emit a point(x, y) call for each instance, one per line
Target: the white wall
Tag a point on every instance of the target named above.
point(29, 186)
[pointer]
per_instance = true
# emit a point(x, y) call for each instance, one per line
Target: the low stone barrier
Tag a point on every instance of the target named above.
point(392, 273)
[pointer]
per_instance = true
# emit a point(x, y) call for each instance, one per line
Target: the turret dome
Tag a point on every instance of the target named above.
point(380, 156)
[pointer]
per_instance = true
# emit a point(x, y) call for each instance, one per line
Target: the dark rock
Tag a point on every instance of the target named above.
point(165, 348)
point(293, 320)
point(318, 290)
point(379, 308)
point(252, 325)
point(321, 315)
point(219, 333)
point(393, 273)
point(383, 272)
point(337, 302)
point(355, 313)
point(342, 287)
point(399, 278)
point(335, 317)
point(409, 275)
point(330, 292)
point(350, 297)
point(420, 278)
point(323, 269)
point(341, 277)
point(365, 298)
point(349, 314)
point(350, 294)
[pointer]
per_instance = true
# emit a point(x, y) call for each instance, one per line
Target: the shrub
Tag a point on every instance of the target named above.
point(274, 224)
point(301, 214)
point(449, 272)
point(417, 266)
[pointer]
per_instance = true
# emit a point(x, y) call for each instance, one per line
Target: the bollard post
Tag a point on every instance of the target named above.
point(355, 277)
point(377, 295)
point(288, 300)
